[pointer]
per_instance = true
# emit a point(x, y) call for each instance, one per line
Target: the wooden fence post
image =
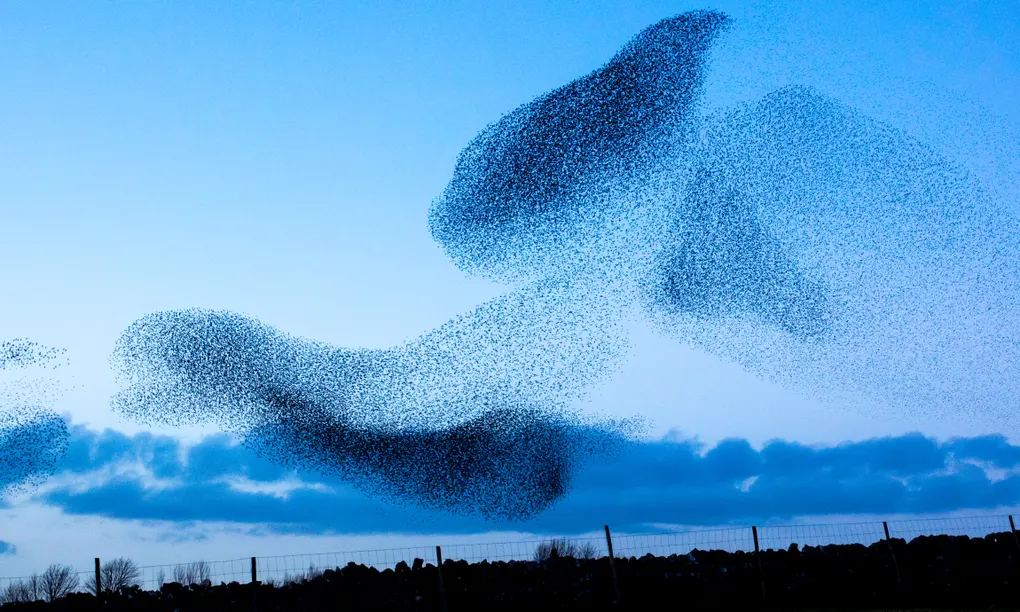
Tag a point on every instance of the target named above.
point(254, 585)
point(99, 579)
point(442, 586)
point(888, 542)
point(757, 556)
point(1012, 528)
point(612, 568)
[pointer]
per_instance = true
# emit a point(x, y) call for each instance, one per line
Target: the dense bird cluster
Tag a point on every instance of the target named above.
point(848, 260)
point(33, 438)
point(793, 235)
point(553, 186)
point(308, 405)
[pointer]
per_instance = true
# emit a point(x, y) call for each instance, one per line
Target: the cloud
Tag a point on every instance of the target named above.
point(146, 477)
point(6, 548)
point(214, 457)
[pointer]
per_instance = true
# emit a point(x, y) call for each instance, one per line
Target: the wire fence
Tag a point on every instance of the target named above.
point(282, 569)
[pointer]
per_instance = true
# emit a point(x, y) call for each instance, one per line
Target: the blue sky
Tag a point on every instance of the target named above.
point(279, 159)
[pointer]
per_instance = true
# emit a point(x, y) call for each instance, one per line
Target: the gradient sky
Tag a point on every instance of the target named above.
point(278, 159)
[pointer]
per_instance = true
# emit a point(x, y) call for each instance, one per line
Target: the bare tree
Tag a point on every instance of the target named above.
point(192, 573)
point(562, 547)
point(312, 573)
point(296, 578)
point(33, 587)
point(57, 581)
point(21, 591)
point(181, 574)
point(11, 593)
point(202, 572)
point(161, 577)
point(115, 575)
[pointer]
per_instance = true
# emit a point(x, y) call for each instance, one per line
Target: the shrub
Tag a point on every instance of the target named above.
point(562, 547)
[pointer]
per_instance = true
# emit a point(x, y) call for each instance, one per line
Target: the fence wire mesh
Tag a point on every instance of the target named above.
point(779, 537)
point(527, 550)
point(282, 569)
point(152, 577)
point(730, 539)
point(973, 526)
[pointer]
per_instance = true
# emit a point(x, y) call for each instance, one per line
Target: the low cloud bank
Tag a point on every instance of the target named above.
point(149, 477)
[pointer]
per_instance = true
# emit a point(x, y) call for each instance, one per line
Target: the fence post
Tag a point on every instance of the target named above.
point(254, 585)
point(612, 567)
point(1012, 528)
point(888, 542)
point(757, 556)
point(99, 579)
point(442, 586)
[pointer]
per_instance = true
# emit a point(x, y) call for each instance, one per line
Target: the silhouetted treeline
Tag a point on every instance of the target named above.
point(946, 572)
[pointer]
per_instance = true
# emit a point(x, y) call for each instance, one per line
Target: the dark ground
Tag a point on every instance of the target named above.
point(934, 573)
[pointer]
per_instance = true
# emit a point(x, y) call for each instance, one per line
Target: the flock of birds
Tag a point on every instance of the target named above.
point(33, 437)
point(793, 235)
